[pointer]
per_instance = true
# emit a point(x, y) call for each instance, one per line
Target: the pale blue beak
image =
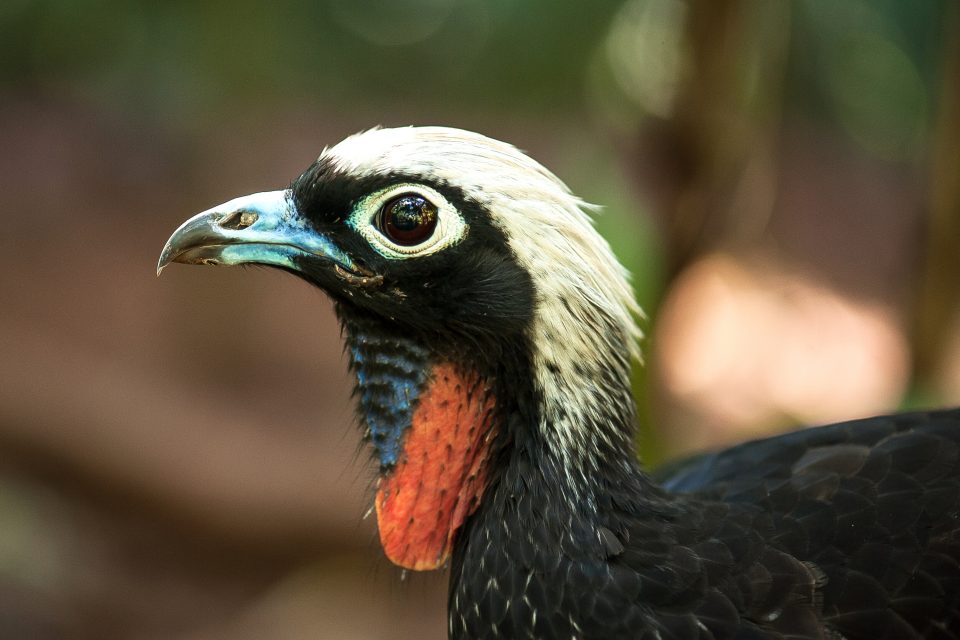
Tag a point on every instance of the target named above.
point(263, 228)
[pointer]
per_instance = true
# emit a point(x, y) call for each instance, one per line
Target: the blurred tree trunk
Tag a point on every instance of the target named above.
point(938, 302)
point(723, 132)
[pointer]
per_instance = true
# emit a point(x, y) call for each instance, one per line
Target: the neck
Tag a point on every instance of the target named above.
point(561, 415)
point(587, 415)
point(582, 338)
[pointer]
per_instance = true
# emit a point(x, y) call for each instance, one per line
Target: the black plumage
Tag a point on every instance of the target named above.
point(844, 531)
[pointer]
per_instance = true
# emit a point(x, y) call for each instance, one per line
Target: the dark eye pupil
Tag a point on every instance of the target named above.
point(409, 219)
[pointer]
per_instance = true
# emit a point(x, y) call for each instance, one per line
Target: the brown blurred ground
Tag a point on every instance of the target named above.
point(178, 457)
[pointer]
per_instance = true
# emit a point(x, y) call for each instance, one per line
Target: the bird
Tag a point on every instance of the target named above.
point(491, 333)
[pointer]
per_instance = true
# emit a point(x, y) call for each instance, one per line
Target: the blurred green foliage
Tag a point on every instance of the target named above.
point(190, 56)
point(875, 67)
point(872, 67)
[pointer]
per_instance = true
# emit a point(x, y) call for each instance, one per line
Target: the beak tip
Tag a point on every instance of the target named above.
point(166, 257)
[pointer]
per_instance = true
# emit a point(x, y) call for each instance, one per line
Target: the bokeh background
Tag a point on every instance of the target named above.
point(178, 458)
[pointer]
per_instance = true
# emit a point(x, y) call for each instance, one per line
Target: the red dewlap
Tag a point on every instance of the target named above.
point(443, 471)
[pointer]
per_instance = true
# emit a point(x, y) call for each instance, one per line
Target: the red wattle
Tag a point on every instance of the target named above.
point(442, 473)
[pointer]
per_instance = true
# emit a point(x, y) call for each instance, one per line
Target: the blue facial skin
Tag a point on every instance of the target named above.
point(391, 373)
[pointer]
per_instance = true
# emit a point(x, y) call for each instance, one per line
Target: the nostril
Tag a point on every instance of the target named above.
point(238, 220)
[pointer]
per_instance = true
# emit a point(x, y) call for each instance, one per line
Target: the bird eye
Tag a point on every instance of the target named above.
point(408, 220)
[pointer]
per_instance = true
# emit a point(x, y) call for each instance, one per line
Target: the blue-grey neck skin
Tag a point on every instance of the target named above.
point(390, 375)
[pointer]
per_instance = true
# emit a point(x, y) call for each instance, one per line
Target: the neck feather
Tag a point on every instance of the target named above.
point(587, 416)
point(583, 335)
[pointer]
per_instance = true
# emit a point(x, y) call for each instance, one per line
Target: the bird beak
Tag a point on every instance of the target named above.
point(263, 228)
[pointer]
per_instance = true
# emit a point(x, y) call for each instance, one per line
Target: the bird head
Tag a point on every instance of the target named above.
point(482, 312)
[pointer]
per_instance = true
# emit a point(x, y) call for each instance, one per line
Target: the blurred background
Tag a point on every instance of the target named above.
point(178, 458)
